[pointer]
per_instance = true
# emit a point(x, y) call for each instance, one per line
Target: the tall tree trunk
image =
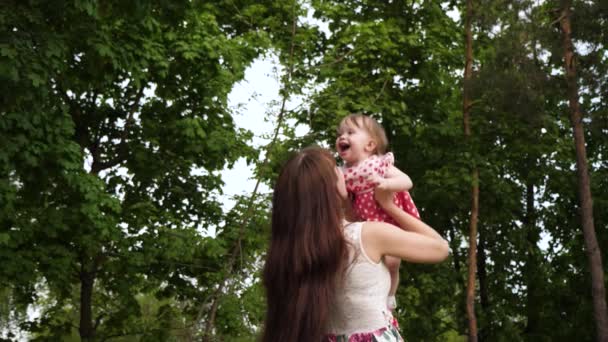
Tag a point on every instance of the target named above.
point(86, 328)
point(466, 109)
point(484, 298)
point(598, 291)
point(472, 261)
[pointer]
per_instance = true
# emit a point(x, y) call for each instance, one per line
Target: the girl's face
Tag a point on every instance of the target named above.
point(354, 144)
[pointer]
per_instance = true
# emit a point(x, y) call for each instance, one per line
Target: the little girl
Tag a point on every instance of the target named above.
point(362, 144)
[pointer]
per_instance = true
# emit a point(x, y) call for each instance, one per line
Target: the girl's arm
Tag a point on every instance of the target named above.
point(419, 243)
point(394, 180)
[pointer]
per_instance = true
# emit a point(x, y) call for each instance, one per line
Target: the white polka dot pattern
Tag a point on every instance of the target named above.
point(358, 182)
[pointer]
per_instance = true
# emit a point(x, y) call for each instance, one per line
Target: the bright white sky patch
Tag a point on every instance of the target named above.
point(251, 100)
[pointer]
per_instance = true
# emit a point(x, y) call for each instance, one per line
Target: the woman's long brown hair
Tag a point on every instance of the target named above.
point(307, 250)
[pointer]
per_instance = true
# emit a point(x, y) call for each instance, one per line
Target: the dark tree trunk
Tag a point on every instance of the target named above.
point(466, 108)
point(472, 262)
point(86, 328)
point(455, 254)
point(461, 281)
point(598, 290)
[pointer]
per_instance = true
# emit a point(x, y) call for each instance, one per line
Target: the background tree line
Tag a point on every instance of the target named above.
point(114, 127)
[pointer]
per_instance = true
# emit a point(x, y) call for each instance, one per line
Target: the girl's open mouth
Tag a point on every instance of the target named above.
point(343, 146)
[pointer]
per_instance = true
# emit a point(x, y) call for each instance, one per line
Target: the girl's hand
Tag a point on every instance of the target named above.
point(379, 182)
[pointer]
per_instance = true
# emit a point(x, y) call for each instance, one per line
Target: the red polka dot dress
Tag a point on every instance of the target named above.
point(358, 182)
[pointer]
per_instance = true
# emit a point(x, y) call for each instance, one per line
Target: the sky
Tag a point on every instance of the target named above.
point(254, 102)
point(250, 100)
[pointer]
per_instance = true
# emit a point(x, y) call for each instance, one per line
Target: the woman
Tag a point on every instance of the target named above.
point(325, 278)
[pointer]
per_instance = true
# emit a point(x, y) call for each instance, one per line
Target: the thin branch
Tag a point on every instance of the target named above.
point(237, 248)
point(63, 94)
point(93, 97)
point(558, 19)
point(94, 148)
point(99, 259)
point(121, 152)
point(381, 91)
point(98, 321)
point(337, 60)
point(168, 262)
point(81, 134)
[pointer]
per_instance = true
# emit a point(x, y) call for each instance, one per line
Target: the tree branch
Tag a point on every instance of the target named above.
point(236, 251)
point(81, 134)
point(381, 91)
point(122, 149)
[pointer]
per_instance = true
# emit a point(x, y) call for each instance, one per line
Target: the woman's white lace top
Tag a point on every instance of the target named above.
point(360, 301)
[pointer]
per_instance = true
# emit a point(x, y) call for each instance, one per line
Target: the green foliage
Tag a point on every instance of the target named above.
point(400, 62)
point(397, 61)
point(114, 127)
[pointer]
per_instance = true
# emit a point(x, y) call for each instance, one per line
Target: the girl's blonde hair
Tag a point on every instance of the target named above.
point(373, 128)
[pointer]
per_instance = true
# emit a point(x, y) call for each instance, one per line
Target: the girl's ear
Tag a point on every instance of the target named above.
point(371, 146)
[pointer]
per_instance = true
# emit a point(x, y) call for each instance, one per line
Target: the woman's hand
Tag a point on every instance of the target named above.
point(384, 197)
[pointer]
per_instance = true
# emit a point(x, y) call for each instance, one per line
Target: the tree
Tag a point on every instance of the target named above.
point(467, 103)
point(399, 62)
point(115, 122)
point(584, 189)
point(114, 127)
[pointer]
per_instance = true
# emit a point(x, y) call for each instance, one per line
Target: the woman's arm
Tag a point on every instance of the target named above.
point(418, 243)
